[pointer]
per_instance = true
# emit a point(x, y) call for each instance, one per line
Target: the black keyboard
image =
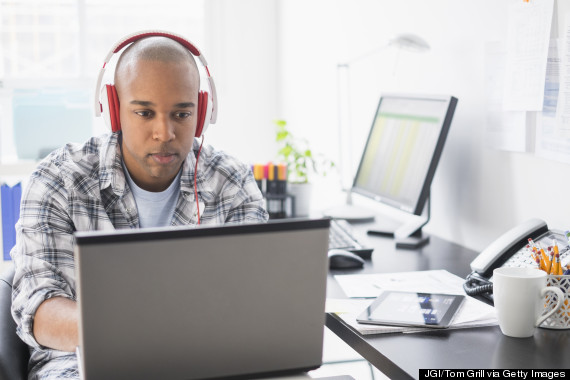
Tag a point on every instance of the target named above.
point(341, 237)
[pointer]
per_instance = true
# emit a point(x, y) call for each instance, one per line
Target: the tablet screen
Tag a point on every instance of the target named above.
point(412, 309)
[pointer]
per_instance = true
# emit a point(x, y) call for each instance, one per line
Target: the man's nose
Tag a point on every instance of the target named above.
point(163, 129)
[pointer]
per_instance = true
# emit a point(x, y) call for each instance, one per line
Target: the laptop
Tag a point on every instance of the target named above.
point(228, 301)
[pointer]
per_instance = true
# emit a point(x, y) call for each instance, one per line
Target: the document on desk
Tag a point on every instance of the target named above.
point(430, 281)
point(473, 313)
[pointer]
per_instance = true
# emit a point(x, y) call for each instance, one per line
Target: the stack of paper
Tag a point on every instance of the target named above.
point(473, 313)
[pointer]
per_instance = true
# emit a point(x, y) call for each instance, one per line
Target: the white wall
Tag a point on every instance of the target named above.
point(278, 59)
point(242, 55)
point(478, 192)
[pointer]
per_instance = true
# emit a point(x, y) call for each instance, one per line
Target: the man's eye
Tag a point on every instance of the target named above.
point(182, 115)
point(144, 114)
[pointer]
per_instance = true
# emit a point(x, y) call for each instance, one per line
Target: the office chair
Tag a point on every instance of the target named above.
point(14, 354)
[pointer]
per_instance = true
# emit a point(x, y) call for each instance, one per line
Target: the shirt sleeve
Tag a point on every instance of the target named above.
point(248, 205)
point(43, 254)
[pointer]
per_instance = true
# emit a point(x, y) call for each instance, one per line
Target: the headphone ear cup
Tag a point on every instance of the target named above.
point(202, 107)
point(113, 101)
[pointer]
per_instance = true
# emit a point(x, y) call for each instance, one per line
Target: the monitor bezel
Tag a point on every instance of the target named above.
point(444, 131)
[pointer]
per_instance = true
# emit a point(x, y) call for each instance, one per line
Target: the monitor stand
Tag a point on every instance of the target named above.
point(410, 236)
point(407, 235)
point(414, 241)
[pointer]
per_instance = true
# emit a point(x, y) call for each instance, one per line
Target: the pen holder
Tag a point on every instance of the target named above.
point(561, 319)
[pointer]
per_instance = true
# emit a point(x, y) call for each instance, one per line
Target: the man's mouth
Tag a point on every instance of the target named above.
point(163, 158)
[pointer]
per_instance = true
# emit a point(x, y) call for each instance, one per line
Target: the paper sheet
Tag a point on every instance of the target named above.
point(553, 124)
point(528, 35)
point(370, 285)
point(562, 126)
point(505, 130)
point(473, 313)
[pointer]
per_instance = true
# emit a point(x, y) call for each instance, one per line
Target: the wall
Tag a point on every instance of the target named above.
point(478, 192)
point(278, 59)
point(242, 56)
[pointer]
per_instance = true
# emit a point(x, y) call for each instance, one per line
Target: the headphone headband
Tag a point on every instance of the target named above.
point(206, 80)
point(194, 50)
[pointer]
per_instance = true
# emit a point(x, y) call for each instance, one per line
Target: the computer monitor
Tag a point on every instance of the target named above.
point(402, 152)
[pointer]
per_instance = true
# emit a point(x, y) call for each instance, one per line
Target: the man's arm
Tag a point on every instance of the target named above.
point(55, 324)
point(44, 266)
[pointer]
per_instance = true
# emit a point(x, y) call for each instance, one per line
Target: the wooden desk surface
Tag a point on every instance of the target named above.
point(401, 356)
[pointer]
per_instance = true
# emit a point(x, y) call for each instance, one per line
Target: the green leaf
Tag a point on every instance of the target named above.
point(299, 157)
point(280, 123)
point(282, 135)
point(286, 150)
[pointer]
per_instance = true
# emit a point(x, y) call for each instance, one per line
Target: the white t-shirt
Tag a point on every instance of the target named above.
point(155, 208)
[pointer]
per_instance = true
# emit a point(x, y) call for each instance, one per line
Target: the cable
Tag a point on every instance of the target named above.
point(472, 290)
point(195, 176)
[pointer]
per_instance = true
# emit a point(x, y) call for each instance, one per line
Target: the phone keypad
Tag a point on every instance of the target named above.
point(523, 259)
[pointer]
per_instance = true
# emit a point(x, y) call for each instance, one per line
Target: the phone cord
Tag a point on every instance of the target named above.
point(476, 290)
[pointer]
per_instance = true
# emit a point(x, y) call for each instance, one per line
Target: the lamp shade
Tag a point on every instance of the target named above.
point(411, 42)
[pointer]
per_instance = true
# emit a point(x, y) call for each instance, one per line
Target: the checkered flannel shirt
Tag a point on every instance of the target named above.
point(83, 187)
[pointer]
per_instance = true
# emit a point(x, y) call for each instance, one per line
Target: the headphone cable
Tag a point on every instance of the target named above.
point(196, 175)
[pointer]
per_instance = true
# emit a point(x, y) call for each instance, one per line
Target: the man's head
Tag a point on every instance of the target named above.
point(157, 83)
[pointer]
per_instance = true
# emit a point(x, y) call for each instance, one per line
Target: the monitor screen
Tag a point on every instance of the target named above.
point(403, 148)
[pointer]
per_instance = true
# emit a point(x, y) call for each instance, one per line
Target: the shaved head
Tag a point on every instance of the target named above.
point(158, 85)
point(158, 49)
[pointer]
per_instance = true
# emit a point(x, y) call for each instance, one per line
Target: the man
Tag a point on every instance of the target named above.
point(141, 176)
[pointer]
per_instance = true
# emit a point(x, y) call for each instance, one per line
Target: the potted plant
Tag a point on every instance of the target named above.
point(302, 164)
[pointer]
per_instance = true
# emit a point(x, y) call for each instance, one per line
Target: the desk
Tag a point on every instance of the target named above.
point(400, 356)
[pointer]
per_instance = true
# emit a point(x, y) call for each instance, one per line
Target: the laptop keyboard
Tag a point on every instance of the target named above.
point(341, 236)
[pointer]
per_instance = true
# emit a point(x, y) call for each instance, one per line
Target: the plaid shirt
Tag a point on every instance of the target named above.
point(83, 187)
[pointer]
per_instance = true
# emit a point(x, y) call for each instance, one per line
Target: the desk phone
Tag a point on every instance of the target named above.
point(509, 251)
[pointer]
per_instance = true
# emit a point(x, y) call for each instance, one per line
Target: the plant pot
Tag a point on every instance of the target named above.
point(302, 193)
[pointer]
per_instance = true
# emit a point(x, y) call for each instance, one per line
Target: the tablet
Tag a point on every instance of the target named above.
point(412, 309)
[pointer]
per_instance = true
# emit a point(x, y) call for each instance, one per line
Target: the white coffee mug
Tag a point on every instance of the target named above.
point(518, 294)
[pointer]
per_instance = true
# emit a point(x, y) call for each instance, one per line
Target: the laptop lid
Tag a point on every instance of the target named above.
point(206, 302)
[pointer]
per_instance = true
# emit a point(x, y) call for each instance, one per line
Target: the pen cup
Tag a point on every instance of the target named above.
point(561, 318)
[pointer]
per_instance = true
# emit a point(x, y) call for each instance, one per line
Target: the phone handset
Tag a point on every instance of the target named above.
point(498, 252)
point(514, 238)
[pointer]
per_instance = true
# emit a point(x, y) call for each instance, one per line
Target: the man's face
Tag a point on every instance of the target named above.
point(158, 111)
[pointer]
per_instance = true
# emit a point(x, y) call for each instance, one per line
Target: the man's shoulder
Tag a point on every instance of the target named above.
point(73, 160)
point(213, 160)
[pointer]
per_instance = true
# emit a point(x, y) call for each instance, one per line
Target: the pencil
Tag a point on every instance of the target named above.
point(557, 255)
point(551, 265)
point(547, 262)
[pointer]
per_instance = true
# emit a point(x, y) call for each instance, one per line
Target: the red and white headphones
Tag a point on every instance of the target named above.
point(107, 101)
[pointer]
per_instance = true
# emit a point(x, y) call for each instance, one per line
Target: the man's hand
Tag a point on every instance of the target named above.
point(56, 324)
